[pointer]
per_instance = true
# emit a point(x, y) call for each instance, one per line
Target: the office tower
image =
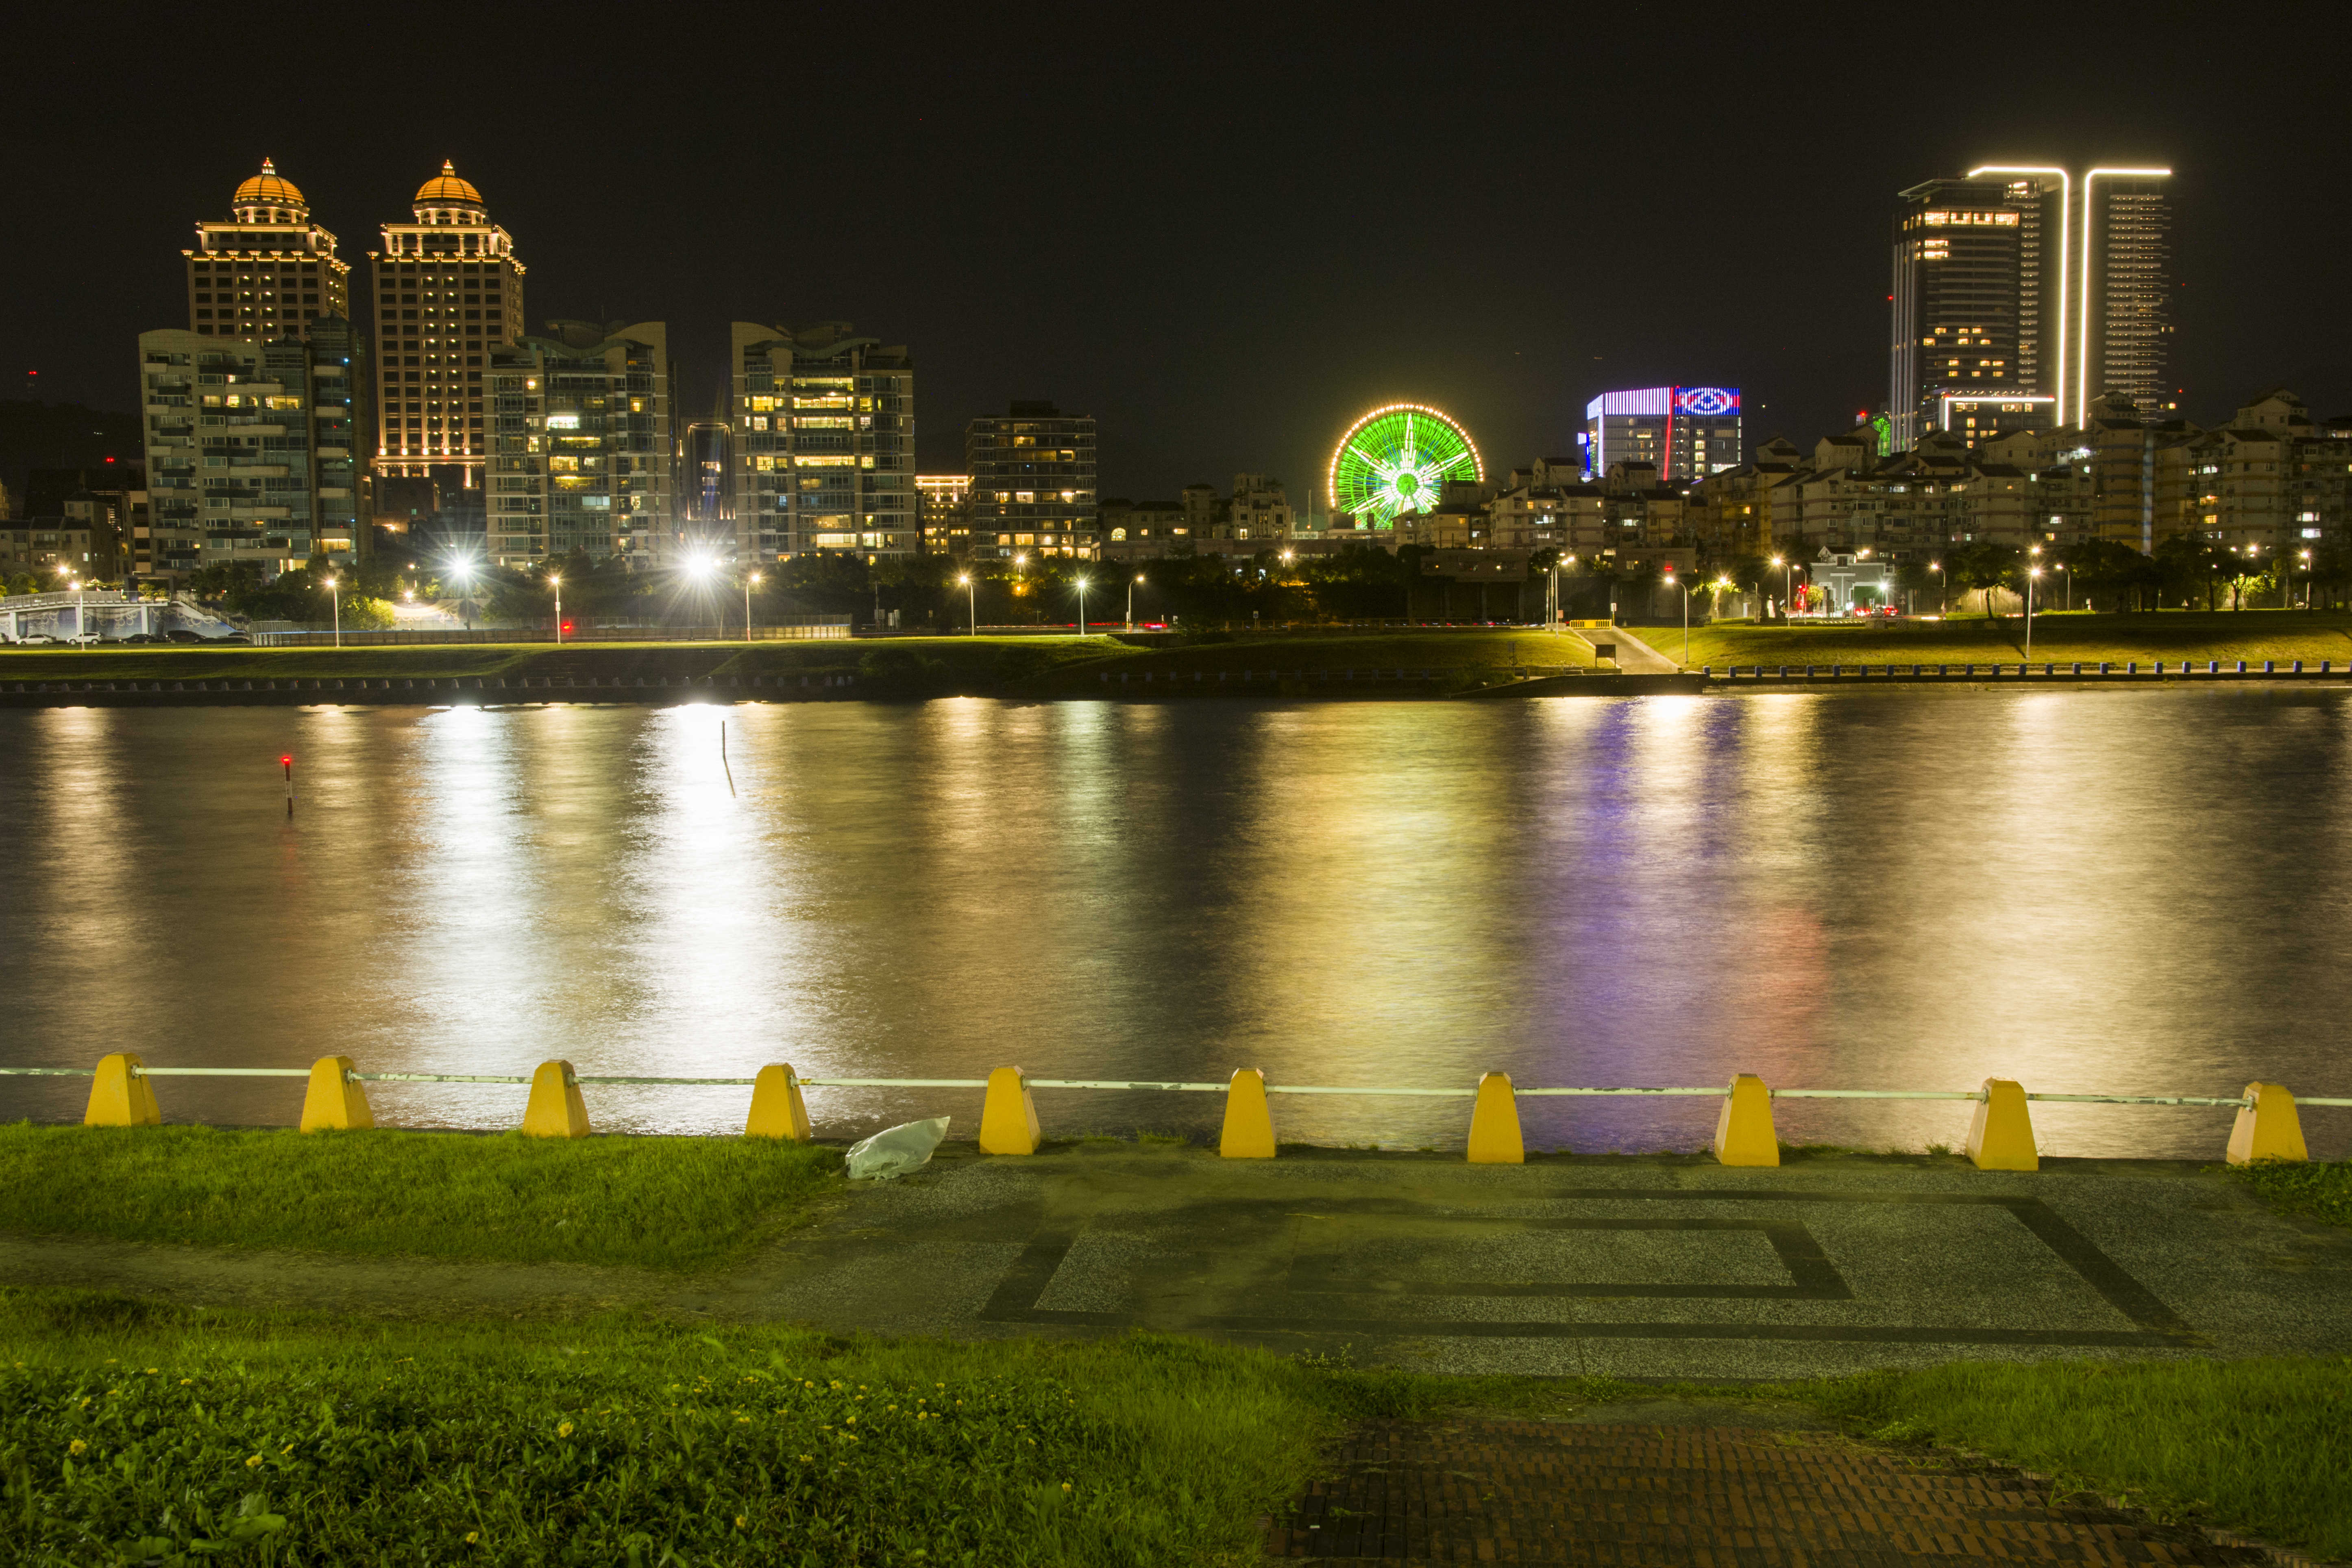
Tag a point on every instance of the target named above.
point(582, 448)
point(824, 441)
point(448, 290)
point(268, 271)
point(1032, 482)
point(1686, 432)
point(252, 447)
point(1955, 300)
point(2123, 334)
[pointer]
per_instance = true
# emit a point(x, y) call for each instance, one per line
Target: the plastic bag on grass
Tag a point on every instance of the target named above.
point(895, 1150)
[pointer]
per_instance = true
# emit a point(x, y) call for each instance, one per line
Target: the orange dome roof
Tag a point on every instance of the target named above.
point(446, 186)
point(269, 189)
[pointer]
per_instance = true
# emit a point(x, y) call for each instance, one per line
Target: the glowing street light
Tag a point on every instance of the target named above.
point(749, 582)
point(1685, 588)
point(2031, 574)
point(555, 581)
point(335, 599)
point(1781, 562)
point(2286, 597)
point(1130, 601)
point(971, 601)
point(1937, 568)
point(1081, 606)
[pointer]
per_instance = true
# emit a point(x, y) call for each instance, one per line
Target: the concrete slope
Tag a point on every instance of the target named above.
point(1634, 656)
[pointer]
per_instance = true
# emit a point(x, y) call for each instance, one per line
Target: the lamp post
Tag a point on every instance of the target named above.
point(1672, 581)
point(748, 583)
point(1081, 606)
point(2060, 566)
point(555, 581)
point(971, 601)
point(1131, 600)
point(1781, 562)
point(2031, 574)
point(335, 600)
point(2286, 595)
point(1937, 568)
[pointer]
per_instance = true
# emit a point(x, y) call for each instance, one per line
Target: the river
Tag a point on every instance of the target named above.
point(2102, 892)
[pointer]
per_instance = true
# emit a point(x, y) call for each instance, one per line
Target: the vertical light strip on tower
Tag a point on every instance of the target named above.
point(2083, 357)
point(2065, 220)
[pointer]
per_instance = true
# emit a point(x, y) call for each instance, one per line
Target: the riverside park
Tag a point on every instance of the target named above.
point(1699, 1113)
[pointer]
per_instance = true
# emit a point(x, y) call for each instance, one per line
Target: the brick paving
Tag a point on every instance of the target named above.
point(1714, 1497)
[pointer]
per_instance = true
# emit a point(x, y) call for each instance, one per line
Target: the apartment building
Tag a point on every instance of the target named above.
point(1032, 482)
point(823, 443)
point(266, 270)
point(582, 452)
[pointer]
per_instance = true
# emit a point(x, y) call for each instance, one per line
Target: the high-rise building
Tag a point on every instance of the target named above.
point(448, 290)
point(266, 271)
point(1956, 300)
point(825, 443)
point(1032, 482)
point(706, 483)
point(1684, 432)
point(2124, 337)
point(582, 448)
point(947, 525)
point(253, 448)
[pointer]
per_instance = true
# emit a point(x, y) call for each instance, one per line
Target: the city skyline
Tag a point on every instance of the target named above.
point(1141, 268)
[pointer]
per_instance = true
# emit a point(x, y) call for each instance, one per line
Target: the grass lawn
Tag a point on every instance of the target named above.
point(133, 1431)
point(130, 1434)
point(2250, 635)
point(648, 1203)
point(2264, 1446)
point(914, 665)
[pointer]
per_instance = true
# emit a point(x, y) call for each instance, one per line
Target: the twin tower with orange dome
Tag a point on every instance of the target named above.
point(446, 287)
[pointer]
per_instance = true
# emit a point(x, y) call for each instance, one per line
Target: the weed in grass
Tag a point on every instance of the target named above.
point(652, 1202)
point(2316, 1188)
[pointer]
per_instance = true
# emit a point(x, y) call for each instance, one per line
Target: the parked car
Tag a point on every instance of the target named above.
point(142, 637)
point(180, 634)
point(83, 639)
point(36, 638)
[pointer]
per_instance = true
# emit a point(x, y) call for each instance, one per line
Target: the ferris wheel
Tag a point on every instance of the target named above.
point(1398, 458)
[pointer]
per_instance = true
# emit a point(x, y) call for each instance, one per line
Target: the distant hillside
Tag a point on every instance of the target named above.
point(61, 436)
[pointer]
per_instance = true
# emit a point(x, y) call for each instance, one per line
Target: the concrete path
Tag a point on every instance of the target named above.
point(1635, 656)
point(1649, 1267)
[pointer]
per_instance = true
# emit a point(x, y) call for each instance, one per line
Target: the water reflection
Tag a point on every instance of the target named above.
point(2130, 891)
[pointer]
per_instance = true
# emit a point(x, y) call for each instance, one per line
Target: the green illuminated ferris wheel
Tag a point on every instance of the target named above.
point(1397, 459)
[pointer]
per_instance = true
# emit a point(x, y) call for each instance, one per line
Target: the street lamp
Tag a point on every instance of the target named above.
point(1081, 606)
point(1672, 583)
point(555, 581)
point(335, 599)
point(748, 583)
point(1130, 601)
point(2031, 574)
point(2061, 566)
point(971, 601)
point(1782, 563)
point(1937, 568)
point(2286, 599)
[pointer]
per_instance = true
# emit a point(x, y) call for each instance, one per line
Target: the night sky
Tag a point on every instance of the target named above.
point(1224, 234)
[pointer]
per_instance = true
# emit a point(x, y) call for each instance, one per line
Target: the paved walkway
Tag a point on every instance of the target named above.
point(1530, 1491)
point(1643, 1268)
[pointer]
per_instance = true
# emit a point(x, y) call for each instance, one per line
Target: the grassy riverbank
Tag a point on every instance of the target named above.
point(132, 1430)
point(2253, 634)
point(1043, 665)
point(647, 1202)
point(2315, 1189)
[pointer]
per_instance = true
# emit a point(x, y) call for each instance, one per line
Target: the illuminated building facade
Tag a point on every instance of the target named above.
point(1977, 419)
point(254, 448)
point(705, 484)
point(447, 291)
point(2124, 335)
point(1955, 300)
point(947, 520)
point(1684, 432)
point(825, 443)
point(582, 446)
point(268, 271)
point(1033, 483)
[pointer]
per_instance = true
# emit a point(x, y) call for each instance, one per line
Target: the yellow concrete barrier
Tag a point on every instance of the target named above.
point(777, 1109)
point(333, 1101)
point(1744, 1134)
point(2001, 1134)
point(556, 1110)
point(2267, 1127)
point(120, 1097)
point(1249, 1122)
point(1008, 1117)
point(1495, 1123)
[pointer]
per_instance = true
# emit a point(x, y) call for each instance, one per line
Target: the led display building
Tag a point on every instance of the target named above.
point(1683, 433)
